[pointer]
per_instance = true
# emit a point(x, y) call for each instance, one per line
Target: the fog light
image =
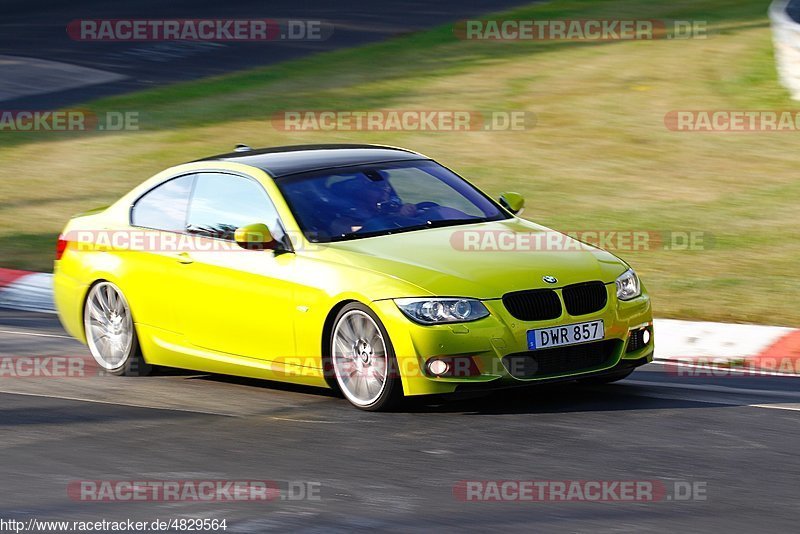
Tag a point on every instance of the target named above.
point(437, 367)
point(646, 336)
point(452, 366)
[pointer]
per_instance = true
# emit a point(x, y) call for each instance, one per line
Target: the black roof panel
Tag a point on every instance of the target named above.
point(286, 160)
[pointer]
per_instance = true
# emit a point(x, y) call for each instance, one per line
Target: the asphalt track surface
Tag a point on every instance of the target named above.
point(39, 30)
point(735, 436)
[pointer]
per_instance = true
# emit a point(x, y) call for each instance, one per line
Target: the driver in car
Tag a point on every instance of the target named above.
point(374, 197)
point(381, 198)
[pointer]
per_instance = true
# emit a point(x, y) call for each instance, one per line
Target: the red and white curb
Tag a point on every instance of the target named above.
point(735, 346)
point(23, 290)
point(687, 343)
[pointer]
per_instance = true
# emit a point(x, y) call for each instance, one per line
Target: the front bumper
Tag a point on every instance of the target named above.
point(499, 335)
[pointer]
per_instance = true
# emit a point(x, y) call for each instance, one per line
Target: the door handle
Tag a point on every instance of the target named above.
point(184, 258)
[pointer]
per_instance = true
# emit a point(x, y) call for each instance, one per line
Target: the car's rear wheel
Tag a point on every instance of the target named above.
point(110, 332)
point(363, 359)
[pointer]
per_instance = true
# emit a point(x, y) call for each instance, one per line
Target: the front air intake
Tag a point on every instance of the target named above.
point(585, 298)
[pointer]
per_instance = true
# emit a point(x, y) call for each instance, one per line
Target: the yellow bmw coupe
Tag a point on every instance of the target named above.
point(368, 269)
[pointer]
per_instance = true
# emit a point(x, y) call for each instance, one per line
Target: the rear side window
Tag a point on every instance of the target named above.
point(221, 203)
point(164, 207)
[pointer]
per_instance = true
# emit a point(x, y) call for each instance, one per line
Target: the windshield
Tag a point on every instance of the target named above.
point(384, 198)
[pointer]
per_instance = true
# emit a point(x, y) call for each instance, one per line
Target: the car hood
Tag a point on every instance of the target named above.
point(484, 260)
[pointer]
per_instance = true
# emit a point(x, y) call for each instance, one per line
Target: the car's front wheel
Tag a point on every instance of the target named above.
point(363, 359)
point(110, 333)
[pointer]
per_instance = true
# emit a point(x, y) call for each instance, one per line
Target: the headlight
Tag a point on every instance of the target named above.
point(628, 285)
point(441, 311)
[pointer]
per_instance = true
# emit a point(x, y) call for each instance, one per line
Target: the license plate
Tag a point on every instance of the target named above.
point(570, 334)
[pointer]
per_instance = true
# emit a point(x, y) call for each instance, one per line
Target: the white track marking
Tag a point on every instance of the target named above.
point(303, 420)
point(793, 408)
point(21, 333)
point(130, 405)
point(718, 400)
point(293, 420)
point(717, 389)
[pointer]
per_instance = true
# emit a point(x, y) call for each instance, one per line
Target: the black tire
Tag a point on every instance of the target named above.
point(391, 393)
point(129, 361)
point(136, 364)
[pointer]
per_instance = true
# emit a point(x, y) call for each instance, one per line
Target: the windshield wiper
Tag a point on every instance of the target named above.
point(429, 224)
point(437, 224)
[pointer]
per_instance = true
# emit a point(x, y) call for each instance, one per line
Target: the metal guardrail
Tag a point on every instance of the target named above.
point(783, 15)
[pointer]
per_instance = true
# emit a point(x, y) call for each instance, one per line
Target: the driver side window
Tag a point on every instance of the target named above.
point(221, 203)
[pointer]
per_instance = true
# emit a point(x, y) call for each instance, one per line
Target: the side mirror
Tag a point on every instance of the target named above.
point(254, 237)
point(513, 202)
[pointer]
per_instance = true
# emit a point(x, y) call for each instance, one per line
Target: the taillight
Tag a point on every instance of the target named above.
point(61, 246)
